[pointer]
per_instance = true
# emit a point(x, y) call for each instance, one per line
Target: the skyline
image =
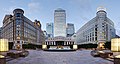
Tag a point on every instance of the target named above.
point(76, 10)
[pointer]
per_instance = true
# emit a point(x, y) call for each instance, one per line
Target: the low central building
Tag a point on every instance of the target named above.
point(59, 42)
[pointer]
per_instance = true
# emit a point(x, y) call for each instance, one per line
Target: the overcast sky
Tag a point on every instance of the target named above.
point(78, 11)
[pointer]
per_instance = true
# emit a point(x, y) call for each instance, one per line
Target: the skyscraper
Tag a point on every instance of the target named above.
point(70, 29)
point(0, 32)
point(59, 22)
point(49, 29)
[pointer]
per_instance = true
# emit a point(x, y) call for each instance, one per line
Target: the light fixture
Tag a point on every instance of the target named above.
point(44, 46)
point(4, 45)
point(115, 44)
point(75, 47)
point(1, 56)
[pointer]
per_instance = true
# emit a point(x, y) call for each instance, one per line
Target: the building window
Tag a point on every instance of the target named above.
point(92, 38)
point(18, 15)
point(18, 23)
point(18, 37)
point(90, 35)
point(96, 38)
point(18, 41)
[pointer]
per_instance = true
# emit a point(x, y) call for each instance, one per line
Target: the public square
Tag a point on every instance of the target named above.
point(57, 57)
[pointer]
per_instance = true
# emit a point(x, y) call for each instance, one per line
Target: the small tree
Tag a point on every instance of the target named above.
point(90, 45)
point(108, 45)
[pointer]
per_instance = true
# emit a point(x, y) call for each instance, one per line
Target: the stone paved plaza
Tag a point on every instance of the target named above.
point(50, 57)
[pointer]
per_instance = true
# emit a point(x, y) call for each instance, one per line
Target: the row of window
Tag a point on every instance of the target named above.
point(55, 43)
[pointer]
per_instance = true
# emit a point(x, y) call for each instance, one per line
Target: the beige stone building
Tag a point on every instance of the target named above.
point(20, 30)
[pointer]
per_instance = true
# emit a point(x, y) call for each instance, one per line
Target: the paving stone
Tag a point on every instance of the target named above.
point(48, 57)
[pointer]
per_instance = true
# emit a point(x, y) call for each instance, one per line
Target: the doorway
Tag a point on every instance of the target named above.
point(59, 44)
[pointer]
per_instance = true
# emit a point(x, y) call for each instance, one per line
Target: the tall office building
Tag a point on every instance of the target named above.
point(0, 32)
point(20, 30)
point(70, 29)
point(59, 22)
point(98, 30)
point(49, 29)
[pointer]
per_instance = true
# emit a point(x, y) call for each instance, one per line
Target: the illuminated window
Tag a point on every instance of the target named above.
point(3, 45)
point(115, 44)
point(18, 15)
point(18, 37)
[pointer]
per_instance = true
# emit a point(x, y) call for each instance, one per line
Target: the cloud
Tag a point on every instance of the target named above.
point(10, 9)
point(34, 6)
point(84, 5)
point(118, 31)
point(84, 18)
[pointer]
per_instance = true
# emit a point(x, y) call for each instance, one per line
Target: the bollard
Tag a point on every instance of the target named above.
point(2, 59)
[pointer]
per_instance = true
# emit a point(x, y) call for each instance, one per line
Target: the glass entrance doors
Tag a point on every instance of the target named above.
point(59, 44)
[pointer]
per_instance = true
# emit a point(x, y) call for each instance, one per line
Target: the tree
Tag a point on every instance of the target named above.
point(108, 45)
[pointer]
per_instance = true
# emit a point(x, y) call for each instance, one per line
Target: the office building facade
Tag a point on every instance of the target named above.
point(99, 29)
point(0, 32)
point(70, 29)
point(20, 30)
point(49, 29)
point(59, 22)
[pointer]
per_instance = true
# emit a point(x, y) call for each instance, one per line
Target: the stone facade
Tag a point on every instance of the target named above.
point(99, 29)
point(20, 30)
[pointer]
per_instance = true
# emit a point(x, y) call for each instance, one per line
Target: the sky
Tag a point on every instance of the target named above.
point(78, 12)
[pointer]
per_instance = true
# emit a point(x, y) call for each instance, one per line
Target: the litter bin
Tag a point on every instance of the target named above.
point(2, 59)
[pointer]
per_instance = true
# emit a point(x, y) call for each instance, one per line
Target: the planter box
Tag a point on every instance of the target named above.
point(2, 60)
point(116, 60)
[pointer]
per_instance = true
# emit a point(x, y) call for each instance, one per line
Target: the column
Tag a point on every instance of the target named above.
point(47, 43)
point(54, 43)
point(64, 42)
